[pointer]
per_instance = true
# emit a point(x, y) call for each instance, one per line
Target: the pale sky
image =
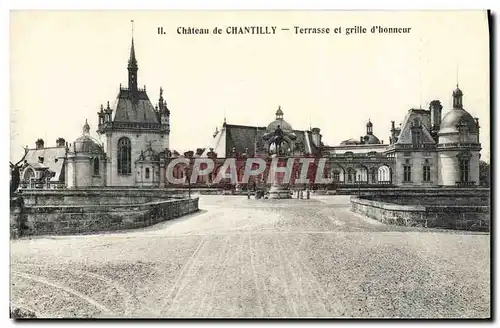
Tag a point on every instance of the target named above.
point(65, 64)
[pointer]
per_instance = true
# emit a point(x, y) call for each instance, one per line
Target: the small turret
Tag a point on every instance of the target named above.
point(457, 98)
point(316, 137)
point(279, 113)
point(163, 112)
point(369, 127)
point(86, 128)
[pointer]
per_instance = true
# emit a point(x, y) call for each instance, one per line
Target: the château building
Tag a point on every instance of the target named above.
point(426, 149)
point(137, 136)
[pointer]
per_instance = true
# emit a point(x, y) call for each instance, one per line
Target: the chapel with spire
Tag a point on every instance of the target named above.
point(135, 128)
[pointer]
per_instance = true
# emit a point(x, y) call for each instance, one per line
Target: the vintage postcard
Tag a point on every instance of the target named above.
point(250, 164)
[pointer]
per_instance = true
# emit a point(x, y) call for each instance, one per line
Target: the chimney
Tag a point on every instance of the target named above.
point(316, 137)
point(60, 142)
point(436, 108)
point(39, 144)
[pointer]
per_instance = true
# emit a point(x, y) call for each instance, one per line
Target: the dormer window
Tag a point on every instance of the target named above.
point(416, 136)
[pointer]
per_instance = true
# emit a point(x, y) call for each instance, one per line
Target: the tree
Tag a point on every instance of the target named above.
point(484, 174)
point(15, 174)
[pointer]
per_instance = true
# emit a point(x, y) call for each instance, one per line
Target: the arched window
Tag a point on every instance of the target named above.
point(96, 166)
point(384, 174)
point(28, 174)
point(336, 176)
point(124, 156)
point(147, 172)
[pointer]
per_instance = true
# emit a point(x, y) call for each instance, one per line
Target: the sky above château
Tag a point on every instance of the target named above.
point(64, 65)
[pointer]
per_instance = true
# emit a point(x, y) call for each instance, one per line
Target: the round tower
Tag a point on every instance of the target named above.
point(458, 147)
point(86, 164)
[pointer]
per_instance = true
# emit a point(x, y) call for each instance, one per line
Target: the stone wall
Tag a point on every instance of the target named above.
point(431, 191)
point(460, 217)
point(52, 212)
point(69, 219)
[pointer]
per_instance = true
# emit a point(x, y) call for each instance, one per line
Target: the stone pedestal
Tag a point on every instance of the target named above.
point(17, 219)
point(278, 191)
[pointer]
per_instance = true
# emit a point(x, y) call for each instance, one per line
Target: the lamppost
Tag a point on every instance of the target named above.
point(359, 185)
point(187, 173)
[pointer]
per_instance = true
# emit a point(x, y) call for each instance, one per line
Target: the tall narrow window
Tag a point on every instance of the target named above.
point(464, 170)
point(147, 172)
point(96, 166)
point(427, 173)
point(336, 176)
point(374, 173)
point(124, 156)
point(463, 130)
point(407, 173)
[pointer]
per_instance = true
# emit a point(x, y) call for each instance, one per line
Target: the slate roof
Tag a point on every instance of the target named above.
point(244, 136)
point(351, 141)
point(452, 119)
point(424, 117)
point(49, 154)
point(134, 107)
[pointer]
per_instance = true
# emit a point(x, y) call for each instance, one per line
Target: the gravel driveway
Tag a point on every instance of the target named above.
point(257, 258)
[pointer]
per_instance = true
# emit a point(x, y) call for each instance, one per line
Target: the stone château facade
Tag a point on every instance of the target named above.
point(427, 149)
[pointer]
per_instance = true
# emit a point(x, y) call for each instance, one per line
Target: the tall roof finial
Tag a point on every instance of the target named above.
point(132, 62)
point(420, 74)
point(86, 128)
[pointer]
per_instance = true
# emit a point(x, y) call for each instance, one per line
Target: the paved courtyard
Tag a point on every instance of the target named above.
point(257, 258)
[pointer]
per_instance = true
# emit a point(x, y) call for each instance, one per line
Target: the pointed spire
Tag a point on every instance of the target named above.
point(132, 66)
point(132, 61)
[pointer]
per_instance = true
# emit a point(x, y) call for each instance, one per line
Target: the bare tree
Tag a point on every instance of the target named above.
point(15, 173)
